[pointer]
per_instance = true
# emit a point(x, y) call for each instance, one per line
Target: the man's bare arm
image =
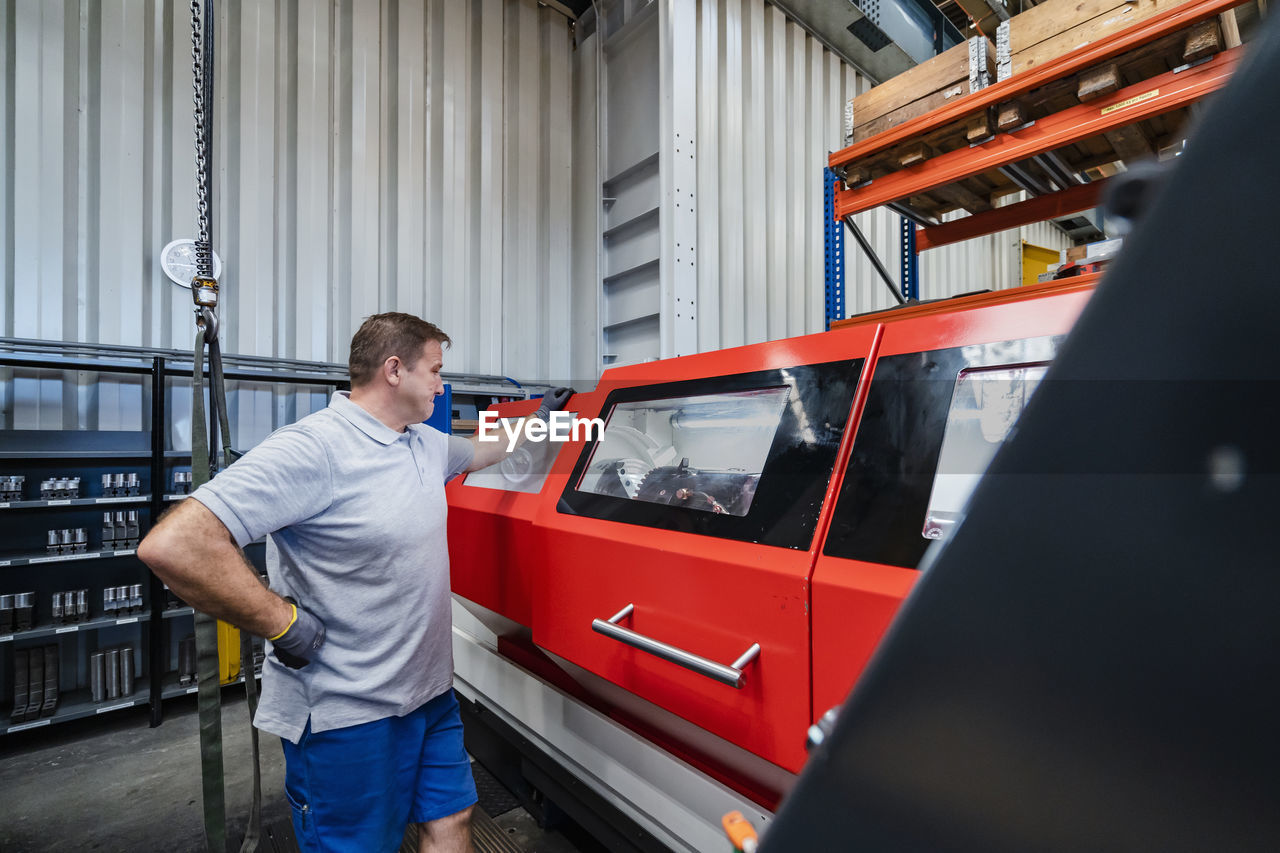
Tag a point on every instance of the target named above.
point(192, 551)
point(492, 452)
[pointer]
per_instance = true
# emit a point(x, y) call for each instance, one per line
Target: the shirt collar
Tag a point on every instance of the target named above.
point(362, 420)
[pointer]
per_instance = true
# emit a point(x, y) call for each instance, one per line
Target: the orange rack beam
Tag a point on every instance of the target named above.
point(1132, 104)
point(1070, 200)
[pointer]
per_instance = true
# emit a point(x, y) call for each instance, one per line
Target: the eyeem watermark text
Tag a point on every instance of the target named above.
point(563, 426)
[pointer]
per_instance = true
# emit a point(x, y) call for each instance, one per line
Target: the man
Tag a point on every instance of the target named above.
point(359, 681)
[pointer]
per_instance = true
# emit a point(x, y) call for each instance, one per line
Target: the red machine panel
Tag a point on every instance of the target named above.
point(946, 385)
point(679, 551)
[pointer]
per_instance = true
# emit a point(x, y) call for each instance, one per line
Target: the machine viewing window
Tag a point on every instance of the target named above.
point(523, 470)
point(984, 407)
point(702, 452)
point(931, 424)
point(747, 456)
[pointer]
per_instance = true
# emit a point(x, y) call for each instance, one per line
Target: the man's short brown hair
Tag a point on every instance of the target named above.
point(384, 335)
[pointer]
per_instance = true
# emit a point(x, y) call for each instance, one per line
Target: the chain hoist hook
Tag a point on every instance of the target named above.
point(207, 320)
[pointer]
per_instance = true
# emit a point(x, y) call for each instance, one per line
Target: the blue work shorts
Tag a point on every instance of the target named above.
point(355, 789)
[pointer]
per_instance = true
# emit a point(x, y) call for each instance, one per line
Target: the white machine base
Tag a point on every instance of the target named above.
point(676, 803)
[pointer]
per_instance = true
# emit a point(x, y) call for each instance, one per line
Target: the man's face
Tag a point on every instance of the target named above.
point(420, 385)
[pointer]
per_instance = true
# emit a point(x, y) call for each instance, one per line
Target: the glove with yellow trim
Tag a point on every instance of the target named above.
point(300, 640)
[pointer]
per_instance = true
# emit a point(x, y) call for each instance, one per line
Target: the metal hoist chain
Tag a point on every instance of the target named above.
point(204, 288)
point(203, 247)
point(204, 291)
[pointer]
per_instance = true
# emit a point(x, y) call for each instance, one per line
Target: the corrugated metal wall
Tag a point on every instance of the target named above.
point(371, 155)
point(993, 262)
point(770, 106)
point(755, 103)
point(419, 155)
point(770, 102)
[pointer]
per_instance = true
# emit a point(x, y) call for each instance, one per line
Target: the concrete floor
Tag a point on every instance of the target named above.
point(114, 784)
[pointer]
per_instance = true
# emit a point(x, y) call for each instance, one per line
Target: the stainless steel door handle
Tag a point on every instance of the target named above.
point(731, 675)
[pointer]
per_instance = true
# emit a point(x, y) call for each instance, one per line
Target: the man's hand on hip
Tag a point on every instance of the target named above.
point(298, 643)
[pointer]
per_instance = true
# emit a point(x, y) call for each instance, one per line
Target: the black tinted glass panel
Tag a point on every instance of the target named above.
point(745, 457)
point(881, 511)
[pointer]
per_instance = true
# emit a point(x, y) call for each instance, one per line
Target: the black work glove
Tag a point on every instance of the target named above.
point(553, 401)
point(300, 641)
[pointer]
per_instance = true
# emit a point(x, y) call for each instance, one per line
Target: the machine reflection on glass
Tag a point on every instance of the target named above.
point(702, 452)
point(984, 407)
point(524, 469)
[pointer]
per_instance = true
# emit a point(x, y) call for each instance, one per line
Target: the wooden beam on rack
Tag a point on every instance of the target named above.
point(1088, 56)
point(1230, 28)
point(1130, 105)
point(1097, 82)
point(1129, 143)
point(1204, 39)
point(1071, 200)
point(958, 195)
point(1011, 115)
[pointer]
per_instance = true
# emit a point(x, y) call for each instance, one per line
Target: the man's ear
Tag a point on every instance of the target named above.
point(391, 370)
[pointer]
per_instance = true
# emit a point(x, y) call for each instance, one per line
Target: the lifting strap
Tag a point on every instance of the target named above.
point(207, 672)
point(204, 290)
point(212, 771)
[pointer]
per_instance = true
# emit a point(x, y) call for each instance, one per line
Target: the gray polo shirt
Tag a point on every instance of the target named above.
point(355, 514)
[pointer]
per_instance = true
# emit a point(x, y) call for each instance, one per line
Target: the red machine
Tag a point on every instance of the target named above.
point(732, 547)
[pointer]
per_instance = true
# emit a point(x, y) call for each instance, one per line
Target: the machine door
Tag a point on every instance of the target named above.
point(946, 390)
point(491, 548)
point(680, 547)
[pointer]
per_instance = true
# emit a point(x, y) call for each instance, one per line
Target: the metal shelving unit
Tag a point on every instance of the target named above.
point(66, 558)
point(1033, 131)
point(59, 630)
point(26, 566)
point(140, 499)
point(74, 454)
point(77, 704)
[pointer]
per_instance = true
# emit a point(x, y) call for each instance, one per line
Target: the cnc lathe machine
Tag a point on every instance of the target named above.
point(711, 572)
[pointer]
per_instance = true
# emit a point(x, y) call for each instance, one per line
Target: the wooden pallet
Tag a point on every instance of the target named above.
point(1095, 156)
point(914, 92)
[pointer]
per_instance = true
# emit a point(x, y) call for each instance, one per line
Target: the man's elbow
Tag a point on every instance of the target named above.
point(158, 551)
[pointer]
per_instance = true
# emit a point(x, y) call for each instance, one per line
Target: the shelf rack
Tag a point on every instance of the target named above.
point(36, 559)
point(969, 153)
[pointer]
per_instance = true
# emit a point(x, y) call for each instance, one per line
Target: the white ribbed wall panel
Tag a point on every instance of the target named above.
point(993, 262)
point(741, 236)
point(763, 101)
point(770, 102)
point(371, 155)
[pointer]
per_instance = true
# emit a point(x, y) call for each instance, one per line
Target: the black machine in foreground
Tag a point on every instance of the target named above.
point(1092, 661)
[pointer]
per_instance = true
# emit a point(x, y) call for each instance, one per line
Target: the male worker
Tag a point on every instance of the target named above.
point(359, 685)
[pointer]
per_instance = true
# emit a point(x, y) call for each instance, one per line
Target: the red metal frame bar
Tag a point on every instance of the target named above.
point(1130, 105)
point(1088, 56)
point(1070, 200)
point(1083, 281)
